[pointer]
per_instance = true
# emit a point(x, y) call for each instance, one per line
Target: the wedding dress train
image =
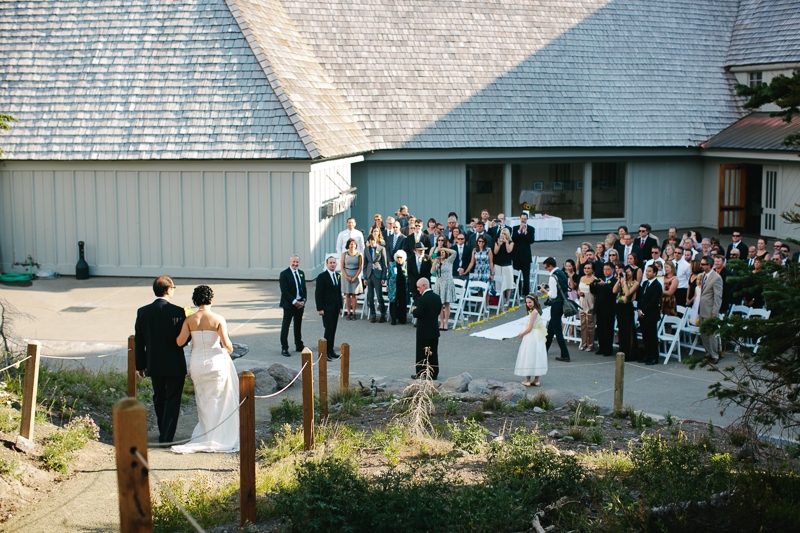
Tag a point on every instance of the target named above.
point(217, 393)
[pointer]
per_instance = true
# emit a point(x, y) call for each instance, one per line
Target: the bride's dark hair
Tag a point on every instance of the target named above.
point(202, 295)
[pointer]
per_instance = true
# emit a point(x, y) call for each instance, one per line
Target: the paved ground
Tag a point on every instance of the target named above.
point(251, 308)
point(94, 318)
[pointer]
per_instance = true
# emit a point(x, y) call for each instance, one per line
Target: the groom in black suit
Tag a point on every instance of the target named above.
point(328, 296)
point(426, 311)
point(293, 301)
point(523, 236)
point(648, 299)
point(159, 356)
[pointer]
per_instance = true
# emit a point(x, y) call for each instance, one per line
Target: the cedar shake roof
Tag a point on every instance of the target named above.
point(766, 31)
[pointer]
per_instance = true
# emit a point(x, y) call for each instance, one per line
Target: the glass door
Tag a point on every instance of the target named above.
point(484, 190)
point(731, 196)
point(769, 196)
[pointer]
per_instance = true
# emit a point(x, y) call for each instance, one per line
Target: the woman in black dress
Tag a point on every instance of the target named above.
point(625, 288)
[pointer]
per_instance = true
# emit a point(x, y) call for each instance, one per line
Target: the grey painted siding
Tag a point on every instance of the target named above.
point(429, 190)
point(186, 223)
point(665, 193)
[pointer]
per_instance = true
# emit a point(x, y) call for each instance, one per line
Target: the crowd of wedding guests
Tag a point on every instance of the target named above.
point(402, 249)
point(627, 276)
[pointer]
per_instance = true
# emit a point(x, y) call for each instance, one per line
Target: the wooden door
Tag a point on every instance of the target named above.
point(769, 201)
point(731, 196)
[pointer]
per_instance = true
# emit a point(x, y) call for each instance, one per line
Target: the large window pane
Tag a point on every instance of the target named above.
point(548, 188)
point(608, 190)
point(485, 190)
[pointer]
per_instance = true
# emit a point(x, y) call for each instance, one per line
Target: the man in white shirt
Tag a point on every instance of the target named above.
point(683, 272)
point(350, 233)
point(627, 241)
point(657, 263)
point(554, 328)
point(688, 244)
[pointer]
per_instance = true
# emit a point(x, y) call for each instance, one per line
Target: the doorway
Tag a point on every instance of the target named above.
point(753, 195)
point(732, 180)
point(484, 190)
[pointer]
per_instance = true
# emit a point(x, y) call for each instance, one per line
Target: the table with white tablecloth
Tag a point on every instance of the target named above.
point(547, 228)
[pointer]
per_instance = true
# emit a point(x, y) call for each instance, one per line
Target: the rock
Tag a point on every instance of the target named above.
point(514, 385)
point(469, 396)
point(554, 434)
point(458, 383)
point(538, 410)
point(560, 398)
point(393, 386)
point(479, 386)
point(510, 395)
point(265, 383)
point(494, 384)
point(283, 375)
point(568, 438)
point(745, 455)
point(24, 445)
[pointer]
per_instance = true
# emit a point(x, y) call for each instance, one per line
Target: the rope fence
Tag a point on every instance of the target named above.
point(184, 441)
point(15, 365)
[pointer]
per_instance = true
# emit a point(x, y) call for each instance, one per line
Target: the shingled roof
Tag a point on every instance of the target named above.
point(238, 79)
point(517, 73)
point(136, 79)
point(766, 31)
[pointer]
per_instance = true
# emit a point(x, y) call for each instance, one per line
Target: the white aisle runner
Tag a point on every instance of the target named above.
point(510, 329)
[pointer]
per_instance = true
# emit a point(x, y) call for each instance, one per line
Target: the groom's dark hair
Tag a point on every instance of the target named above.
point(161, 285)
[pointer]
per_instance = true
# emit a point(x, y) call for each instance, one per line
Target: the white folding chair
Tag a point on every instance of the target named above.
point(537, 270)
point(515, 292)
point(498, 307)
point(674, 338)
point(742, 310)
point(457, 306)
point(572, 327)
point(474, 303)
point(756, 313)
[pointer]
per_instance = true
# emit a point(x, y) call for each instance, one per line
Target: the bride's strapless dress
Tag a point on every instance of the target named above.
point(217, 393)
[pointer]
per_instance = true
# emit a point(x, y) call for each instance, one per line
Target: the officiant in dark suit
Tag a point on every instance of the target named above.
point(158, 355)
point(328, 296)
point(426, 311)
point(649, 309)
point(293, 301)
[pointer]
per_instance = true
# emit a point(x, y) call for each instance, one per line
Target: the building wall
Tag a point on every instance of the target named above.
point(665, 193)
point(788, 196)
point(210, 219)
point(428, 189)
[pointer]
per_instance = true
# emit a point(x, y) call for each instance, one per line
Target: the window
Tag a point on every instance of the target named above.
point(755, 79)
point(484, 190)
point(608, 190)
point(548, 188)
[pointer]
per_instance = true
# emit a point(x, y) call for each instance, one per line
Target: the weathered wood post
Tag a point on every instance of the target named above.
point(247, 449)
point(308, 399)
point(133, 481)
point(29, 390)
point(131, 367)
point(344, 382)
point(619, 381)
point(323, 377)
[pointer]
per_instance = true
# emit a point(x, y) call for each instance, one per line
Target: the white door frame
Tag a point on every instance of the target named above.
point(770, 200)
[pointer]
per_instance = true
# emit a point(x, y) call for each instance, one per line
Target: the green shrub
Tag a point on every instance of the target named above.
point(469, 436)
point(285, 442)
point(585, 406)
point(390, 441)
point(475, 416)
point(541, 400)
point(209, 504)
point(60, 447)
point(624, 413)
point(534, 472)
point(451, 406)
point(596, 436)
point(7, 466)
point(9, 419)
point(494, 403)
point(737, 438)
point(288, 412)
point(576, 433)
point(639, 421)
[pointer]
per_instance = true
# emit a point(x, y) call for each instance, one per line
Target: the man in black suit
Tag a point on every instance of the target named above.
point(419, 266)
point(376, 268)
point(480, 229)
point(649, 302)
point(416, 236)
point(463, 257)
point(604, 309)
point(159, 356)
point(328, 296)
point(426, 311)
point(293, 301)
point(738, 244)
point(523, 236)
point(644, 244)
point(395, 240)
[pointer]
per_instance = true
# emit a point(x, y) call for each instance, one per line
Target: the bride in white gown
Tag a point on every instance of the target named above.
point(215, 382)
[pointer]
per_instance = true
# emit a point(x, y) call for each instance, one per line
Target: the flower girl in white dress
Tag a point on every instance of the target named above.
point(215, 382)
point(532, 355)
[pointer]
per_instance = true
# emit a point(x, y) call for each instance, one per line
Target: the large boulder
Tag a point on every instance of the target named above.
point(510, 395)
point(393, 386)
point(458, 383)
point(265, 383)
point(561, 398)
point(478, 386)
point(282, 375)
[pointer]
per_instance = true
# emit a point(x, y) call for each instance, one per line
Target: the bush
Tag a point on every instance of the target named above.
point(288, 412)
point(451, 406)
point(475, 416)
point(541, 400)
point(469, 436)
point(494, 403)
point(207, 503)
point(60, 447)
point(350, 401)
point(596, 436)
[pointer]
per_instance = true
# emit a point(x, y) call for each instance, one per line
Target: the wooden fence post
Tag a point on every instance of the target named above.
point(247, 449)
point(133, 482)
point(29, 390)
point(308, 399)
point(131, 367)
point(323, 377)
point(619, 382)
point(345, 378)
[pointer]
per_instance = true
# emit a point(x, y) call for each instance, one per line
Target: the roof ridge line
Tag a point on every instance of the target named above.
point(274, 81)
